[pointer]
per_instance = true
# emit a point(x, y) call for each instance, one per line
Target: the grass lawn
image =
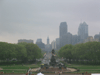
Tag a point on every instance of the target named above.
point(17, 68)
point(86, 68)
point(24, 68)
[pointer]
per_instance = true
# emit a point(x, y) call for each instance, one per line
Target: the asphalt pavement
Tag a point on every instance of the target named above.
point(45, 74)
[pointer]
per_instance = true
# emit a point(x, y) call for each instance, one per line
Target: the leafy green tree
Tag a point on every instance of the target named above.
point(90, 52)
point(33, 51)
point(7, 51)
point(21, 51)
point(66, 52)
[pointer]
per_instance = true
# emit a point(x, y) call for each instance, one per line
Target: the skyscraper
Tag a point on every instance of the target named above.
point(40, 44)
point(39, 40)
point(47, 40)
point(83, 31)
point(62, 29)
point(57, 43)
point(62, 33)
point(48, 46)
point(69, 38)
point(75, 39)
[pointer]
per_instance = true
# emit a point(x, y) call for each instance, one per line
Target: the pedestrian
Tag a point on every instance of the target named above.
point(83, 73)
point(29, 71)
point(86, 72)
point(59, 73)
point(26, 73)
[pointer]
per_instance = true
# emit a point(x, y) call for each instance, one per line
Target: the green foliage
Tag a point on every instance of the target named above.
point(89, 51)
point(21, 51)
point(33, 51)
point(7, 51)
point(66, 51)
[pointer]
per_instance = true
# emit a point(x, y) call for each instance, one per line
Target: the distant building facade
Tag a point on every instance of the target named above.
point(66, 39)
point(62, 29)
point(97, 37)
point(69, 38)
point(24, 40)
point(62, 33)
point(83, 31)
point(48, 46)
point(48, 40)
point(89, 39)
point(53, 45)
point(75, 39)
point(39, 40)
point(57, 43)
point(40, 44)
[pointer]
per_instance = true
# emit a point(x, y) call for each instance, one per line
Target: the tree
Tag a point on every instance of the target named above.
point(90, 52)
point(32, 50)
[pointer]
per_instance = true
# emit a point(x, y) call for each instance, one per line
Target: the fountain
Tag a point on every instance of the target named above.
point(51, 65)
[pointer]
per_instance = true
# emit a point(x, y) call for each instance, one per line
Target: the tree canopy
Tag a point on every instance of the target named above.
point(21, 51)
point(89, 51)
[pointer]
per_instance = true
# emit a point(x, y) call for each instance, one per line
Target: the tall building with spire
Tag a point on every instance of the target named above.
point(83, 31)
point(47, 40)
point(48, 46)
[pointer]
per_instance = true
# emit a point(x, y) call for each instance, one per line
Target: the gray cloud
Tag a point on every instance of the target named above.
point(42, 18)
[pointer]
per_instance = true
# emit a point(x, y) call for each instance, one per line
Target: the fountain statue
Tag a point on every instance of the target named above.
point(53, 60)
point(50, 64)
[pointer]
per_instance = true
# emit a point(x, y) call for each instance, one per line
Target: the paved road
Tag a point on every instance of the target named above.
point(12, 74)
point(46, 74)
point(46, 59)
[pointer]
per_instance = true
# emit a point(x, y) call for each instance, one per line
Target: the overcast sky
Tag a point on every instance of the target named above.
point(32, 19)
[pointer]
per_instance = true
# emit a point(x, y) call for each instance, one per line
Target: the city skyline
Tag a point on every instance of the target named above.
point(40, 19)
